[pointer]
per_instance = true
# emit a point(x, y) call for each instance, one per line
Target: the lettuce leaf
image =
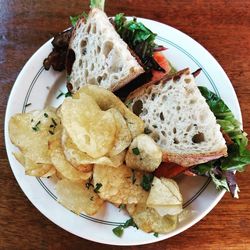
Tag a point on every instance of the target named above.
point(238, 158)
point(140, 39)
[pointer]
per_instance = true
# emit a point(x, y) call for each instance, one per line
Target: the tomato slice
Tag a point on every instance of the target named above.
point(169, 170)
point(163, 62)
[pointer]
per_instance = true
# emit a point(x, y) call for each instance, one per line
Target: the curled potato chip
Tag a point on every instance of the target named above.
point(35, 169)
point(106, 100)
point(92, 130)
point(148, 220)
point(123, 135)
point(143, 154)
point(77, 197)
point(165, 196)
point(62, 165)
point(119, 185)
point(30, 132)
point(83, 161)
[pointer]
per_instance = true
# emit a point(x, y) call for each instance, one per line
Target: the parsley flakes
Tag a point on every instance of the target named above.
point(97, 187)
point(136, 151)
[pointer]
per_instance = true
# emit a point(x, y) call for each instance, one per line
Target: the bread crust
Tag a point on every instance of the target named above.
point(188, 160)
point(141, 90)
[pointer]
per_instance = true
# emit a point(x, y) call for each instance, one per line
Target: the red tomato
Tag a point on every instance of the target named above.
point(163, 62)
point(169, 170)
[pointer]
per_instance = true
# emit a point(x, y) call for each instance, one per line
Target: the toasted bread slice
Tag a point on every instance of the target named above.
point(178, 118)
point(101, 56)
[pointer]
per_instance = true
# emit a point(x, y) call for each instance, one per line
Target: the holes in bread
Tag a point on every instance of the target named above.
point(161, 116)
point(155, 137)
point(107, 47)
point(104, 77)
point(176, 141)
point(99, 79)
point(178, 108)
point(163, 133)
point(98, 49)
point(174, 130)
point(83, 43)
point(137, 107)
point(153, 96)
point(80, 62)
point(88, 28)
point(192, 101)
point(198, 138)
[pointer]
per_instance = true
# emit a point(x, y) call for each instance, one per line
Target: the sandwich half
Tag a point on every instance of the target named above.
point(178, 118)
point(97, 55)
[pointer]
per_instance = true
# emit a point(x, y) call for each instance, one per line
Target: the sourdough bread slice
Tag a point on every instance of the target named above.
point(101, 56)
point(178, 118)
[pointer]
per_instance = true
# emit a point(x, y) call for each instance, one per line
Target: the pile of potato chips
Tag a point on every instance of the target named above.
point(96, 148)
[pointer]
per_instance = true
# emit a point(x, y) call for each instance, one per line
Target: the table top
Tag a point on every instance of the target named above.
point(223, 27)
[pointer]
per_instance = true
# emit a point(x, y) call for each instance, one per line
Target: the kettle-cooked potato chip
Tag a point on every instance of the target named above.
point(62, 165)
point(123, 135)
point(30, 132)
point(148, 220)
point(77, 197)
point(119, 185)
point(82, 160)
point(165, 196)
point(106, 100)
point(91, 129)
point(35, 169)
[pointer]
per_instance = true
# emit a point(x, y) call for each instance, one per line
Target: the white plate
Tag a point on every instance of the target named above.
point(40, 88)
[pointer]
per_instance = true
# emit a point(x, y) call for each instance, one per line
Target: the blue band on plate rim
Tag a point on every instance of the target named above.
point(110, 223)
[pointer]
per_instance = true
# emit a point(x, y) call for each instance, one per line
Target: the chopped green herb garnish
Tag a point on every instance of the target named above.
point(54, 122)
point(36, 128)
point(74, 19)
point(133, 176)
point(27, 105)
point(147, 181)
point(68, 94)
point(122, 206)
point(156, 234)
point(147, 131)
point(136, 151)
point(118, 231)
point(46, 115)
point(88, 185)
point(130, 223)
point(97, 187)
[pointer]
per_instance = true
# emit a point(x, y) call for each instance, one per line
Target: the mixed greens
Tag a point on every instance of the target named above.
point(139, 39)
point(222, 170)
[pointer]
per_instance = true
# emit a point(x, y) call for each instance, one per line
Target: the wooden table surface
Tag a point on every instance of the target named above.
point(223, 27)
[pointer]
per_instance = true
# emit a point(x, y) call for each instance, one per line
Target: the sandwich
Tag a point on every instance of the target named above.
point(107, 52)
point(101, 56)
point(195, 129)
point(178, 118)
